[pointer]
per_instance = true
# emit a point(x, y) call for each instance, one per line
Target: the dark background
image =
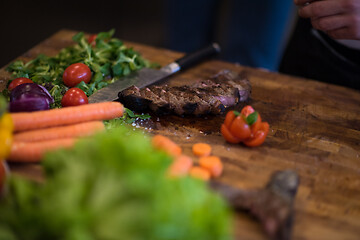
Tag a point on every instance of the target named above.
point(159, 23)
point(23, 24)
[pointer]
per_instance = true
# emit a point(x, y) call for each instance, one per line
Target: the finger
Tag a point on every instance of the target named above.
point(322, 9)
point(344, 33)
point(330, 22)
point(301, 3)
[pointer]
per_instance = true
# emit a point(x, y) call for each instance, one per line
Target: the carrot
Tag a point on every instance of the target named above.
point(165, 144)
point(34, 151)
point(76, 130)
point(180, 166)
point(200, 173)
point(213, 164)
point(201, 149)
point(66, 116)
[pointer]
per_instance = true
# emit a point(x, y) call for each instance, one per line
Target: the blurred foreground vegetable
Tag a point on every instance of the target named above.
point(6, 139)
point(6, 130)
point(112, 186)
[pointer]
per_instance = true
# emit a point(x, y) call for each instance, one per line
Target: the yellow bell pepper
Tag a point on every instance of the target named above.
point(6, 130)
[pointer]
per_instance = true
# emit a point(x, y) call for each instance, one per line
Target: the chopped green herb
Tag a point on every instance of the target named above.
point(128, 117)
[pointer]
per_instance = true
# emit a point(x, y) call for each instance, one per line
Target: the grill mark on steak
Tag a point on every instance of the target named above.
point(209, 96)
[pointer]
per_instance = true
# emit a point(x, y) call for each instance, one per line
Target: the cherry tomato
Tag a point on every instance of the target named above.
point(230, 116)
point(240, 129)
point(256, 126)
point(91, 40)
point(74, 97)
point(18, 81)
point(227, 135)
point(75, 74)
point(245, 126)
point(247, 110)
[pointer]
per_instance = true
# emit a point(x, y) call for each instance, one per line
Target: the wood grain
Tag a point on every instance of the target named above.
point(315, 130)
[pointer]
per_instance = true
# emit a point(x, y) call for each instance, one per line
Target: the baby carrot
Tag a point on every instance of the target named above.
point(200, 173)
point(165, 144)
point(201, 149)
point(180, 166)
point(65, 116)
point(213, 164)
point(75, 130)
point(34, 151)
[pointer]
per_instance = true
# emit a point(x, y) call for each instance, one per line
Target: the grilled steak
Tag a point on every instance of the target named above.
point(210, 96)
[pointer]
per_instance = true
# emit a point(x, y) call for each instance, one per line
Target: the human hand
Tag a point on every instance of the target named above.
point(340, 19)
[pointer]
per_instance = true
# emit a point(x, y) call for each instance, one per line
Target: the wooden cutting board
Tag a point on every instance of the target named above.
point(315, 130)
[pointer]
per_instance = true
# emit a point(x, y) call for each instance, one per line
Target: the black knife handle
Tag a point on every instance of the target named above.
point(199, 55)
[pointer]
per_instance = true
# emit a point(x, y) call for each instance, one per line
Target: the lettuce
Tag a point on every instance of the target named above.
point(112, 186)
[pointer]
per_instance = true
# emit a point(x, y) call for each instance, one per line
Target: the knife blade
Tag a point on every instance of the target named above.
point(147, 76)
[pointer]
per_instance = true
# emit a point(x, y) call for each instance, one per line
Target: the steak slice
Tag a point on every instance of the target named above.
point(209, 96)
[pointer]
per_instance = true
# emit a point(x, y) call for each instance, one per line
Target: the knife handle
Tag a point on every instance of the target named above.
point(197, 56)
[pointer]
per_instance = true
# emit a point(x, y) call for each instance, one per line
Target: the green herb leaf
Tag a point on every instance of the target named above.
point(144, 116)
point(77, 37)
point(105, 35)
point(252, 118)
point(117, 69)
point(236, 113)
point(129, 113)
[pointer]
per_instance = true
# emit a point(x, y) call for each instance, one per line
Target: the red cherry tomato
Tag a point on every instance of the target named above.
point(240, 129)
point(247, 110)
point(75, 74)
point(245, 126)
point(18, 81)
point(74, 97)
point(259, 136)
point(230, 116)
point(91, 40)
point(229, 137)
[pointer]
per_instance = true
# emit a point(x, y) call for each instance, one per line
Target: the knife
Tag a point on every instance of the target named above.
point(147, 76)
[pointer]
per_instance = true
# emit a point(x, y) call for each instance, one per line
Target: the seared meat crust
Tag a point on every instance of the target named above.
point(210, 96)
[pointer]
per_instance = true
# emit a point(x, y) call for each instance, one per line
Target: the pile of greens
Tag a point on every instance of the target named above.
point(112, 186)
point(108, 60)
